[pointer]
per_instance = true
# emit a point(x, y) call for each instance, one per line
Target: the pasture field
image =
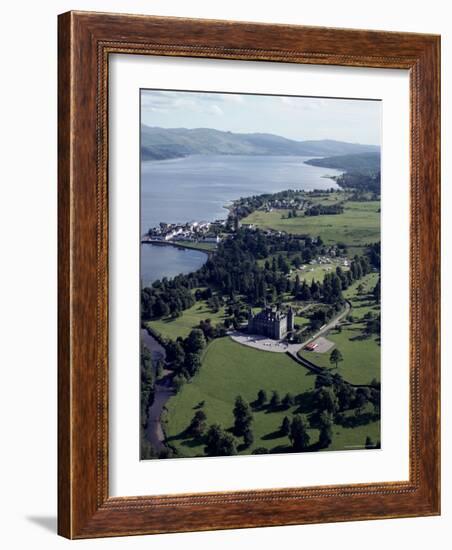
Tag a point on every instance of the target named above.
point(358, 225)
point(189, 319)
point(327, 199)
point(316, 272)
point(361, 353)
point(230, 369)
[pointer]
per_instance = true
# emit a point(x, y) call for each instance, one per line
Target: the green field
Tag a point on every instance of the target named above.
point(358, 225)
point(230, 369)
point(361, 356)
point(363, 303)
point(316, 272)
point(328, 198)
point(189, 319)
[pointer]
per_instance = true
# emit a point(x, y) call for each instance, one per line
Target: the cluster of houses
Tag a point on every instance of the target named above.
point(194, 231)
point(285, 204)
point(326, 260)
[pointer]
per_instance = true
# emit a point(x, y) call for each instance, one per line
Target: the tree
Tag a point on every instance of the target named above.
point(162, 308)
point(377, 291)
point(214, 304)
point(147, 450)
point(288, 400)
point(261, 398)
point(178, 381)
point(207, 329)
point(324, 379)
point(242, 416)
point(336, 357)
point(285, 426)
point(248, 437)
point(305, 292)
point(296, 262)
point(346, 394)
point(147, 384)
point(326, 431)
point(192, 363)
point(198, 424)
point(326, 400)
point(195, 341)
point(275, 401)
point(219, 442)
point(159, 369)
point(299, 436)
point(175, 352)
point(363, 396)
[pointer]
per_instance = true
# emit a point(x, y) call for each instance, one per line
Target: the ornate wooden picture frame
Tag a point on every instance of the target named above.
point(86, 40)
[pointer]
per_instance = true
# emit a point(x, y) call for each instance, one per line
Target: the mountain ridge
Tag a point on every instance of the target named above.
point(167, 143)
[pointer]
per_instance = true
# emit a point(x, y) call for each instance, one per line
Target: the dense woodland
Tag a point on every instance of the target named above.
point(361, 182)
point(251, 269)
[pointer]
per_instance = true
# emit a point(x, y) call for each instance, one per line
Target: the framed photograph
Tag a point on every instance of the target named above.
point(248, 275)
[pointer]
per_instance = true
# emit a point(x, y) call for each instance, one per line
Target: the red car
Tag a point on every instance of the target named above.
point(311, 347)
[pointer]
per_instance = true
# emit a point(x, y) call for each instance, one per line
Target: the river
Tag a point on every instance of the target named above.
point(199, 187)
point(163, 391)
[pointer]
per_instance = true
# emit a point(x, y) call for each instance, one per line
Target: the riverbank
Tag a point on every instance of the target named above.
point(163, 391)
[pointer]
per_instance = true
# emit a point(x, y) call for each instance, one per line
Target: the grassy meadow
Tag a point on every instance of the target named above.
point(230, 369)
point(361, 354)
point(189, 319)
point(359, 224)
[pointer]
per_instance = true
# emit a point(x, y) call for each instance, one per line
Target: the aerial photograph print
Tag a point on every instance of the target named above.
point(259, 274)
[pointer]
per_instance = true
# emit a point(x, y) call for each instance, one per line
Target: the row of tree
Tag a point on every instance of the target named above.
point(184, 356)
point(334, 395)
point(325, 209)
point(147, 384)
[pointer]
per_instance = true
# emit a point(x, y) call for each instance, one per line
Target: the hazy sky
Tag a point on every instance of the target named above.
point(300, 118)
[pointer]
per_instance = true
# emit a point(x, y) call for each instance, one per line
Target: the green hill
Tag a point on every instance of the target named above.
point(363, 163)
point(166, 143)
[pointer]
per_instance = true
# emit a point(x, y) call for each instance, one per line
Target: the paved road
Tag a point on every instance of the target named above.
point(331, 324)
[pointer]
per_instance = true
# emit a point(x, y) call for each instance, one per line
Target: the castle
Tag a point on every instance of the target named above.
point(271, 322)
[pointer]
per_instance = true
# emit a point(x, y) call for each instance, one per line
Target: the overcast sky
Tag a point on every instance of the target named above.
point(300, 118)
